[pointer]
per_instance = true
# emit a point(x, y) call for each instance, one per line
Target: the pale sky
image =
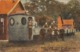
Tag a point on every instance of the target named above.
point(63, 1)
point(24, 1)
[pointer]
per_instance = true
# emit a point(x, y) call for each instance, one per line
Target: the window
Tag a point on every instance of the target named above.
point(2, 19)
point(23, 20)
point(12, 21)
point(2, 25)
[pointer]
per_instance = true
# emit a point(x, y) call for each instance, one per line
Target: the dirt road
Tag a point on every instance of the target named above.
point(71, 44)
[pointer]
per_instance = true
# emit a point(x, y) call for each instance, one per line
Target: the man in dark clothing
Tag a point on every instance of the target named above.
point(46, 30)
point(56, 33)
point(30, 25)
point(50, 33)
point(62, 34)
point(42, 34)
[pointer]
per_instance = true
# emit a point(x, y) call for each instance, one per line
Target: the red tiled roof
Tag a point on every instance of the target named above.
point(68, 22)
point(7, 5)
point(59, 22)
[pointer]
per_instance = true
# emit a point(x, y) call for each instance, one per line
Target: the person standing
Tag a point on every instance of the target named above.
point(46, 29)
point(62, 32)
point(53, 24)
point(56, 33)
point(30, 25)
point(42, 34)
point(50, 33)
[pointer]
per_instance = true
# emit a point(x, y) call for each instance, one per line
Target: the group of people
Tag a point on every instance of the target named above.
point(47, 31)
point(51, 32)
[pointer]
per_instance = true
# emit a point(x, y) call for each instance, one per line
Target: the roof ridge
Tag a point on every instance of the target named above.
point(13, 7)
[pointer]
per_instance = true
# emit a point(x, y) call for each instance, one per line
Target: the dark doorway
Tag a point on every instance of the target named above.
point(1, 27)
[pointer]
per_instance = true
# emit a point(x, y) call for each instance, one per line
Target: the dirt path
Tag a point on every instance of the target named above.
point(71, 44)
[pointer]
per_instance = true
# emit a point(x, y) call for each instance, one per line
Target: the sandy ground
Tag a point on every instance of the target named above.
point(71, 44)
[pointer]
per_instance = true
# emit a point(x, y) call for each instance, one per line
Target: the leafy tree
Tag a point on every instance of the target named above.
point(54, 8)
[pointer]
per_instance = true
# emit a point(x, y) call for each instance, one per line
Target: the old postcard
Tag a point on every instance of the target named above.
point(39, 25)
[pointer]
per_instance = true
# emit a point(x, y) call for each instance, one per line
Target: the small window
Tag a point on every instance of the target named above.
point(2, 19)
point(23, 20)
point(12, 21)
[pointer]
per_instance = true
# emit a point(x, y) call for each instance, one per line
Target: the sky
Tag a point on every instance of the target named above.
point(63, 1)
point(24, 1)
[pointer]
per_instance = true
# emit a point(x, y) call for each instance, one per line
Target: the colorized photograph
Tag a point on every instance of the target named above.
point(39, 25)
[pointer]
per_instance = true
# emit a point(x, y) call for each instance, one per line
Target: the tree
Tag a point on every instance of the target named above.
point(42, 7)
point(54, 8)
point(74, 8)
